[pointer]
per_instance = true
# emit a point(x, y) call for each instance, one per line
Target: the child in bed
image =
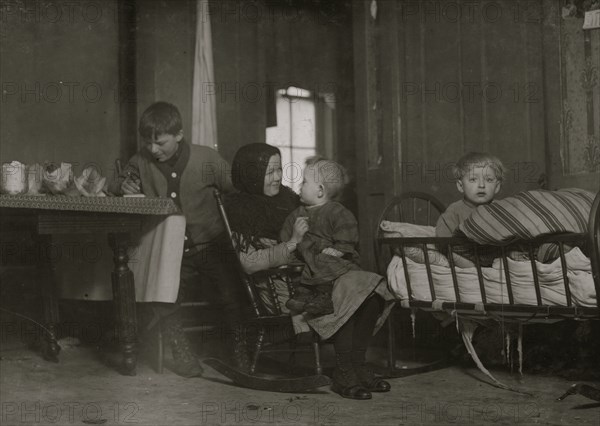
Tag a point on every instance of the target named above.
point(478, 177)
point(328, 248)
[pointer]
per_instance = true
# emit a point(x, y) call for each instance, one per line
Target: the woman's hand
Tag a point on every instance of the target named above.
point(300, 228)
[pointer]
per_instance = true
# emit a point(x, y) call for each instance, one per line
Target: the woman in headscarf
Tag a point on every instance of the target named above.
point(256, 216)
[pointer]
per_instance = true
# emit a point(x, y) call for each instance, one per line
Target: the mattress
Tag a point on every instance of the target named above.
point(550, 276)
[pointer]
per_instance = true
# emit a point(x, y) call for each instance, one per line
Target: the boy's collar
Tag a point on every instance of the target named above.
point(473, 205)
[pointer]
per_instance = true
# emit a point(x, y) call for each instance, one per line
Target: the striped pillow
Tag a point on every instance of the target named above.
point(528, 215)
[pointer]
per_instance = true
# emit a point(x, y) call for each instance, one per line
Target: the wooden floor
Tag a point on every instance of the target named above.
point(81, 390)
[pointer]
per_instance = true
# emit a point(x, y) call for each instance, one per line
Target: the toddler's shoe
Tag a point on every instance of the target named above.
point(302, 295)
point(295, 306)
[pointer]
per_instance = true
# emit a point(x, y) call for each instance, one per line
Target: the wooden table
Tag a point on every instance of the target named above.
point(115, 216)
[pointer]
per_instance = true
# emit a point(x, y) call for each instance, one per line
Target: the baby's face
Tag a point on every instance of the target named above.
point(479, 186)
point(311, 191)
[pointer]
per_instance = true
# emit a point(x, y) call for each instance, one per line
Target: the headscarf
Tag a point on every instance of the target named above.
point(252, 214)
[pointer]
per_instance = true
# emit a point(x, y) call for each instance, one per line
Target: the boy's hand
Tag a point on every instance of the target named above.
point(300, 228)
point(332, 252)
point(130, 186)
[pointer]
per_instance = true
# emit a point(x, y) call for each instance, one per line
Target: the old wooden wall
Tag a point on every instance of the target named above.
point(572, 89)
point(435, 80)
point(59, 67)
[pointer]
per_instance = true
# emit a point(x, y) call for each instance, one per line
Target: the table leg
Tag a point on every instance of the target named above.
point(124, 303)
point(46, 277)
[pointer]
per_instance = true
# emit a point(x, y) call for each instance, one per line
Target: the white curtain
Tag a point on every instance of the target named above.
point(204, 108)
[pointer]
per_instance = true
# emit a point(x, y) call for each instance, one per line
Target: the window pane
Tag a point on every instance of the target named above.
point(280, 135)
point(303, 122)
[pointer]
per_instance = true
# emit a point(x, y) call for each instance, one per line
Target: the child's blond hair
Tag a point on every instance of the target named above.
point(333, 176)
point(478, 159)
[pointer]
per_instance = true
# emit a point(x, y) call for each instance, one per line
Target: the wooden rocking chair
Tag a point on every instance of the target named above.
point(262, 318)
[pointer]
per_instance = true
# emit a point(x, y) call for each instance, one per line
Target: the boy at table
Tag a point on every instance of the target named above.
point(167, 166)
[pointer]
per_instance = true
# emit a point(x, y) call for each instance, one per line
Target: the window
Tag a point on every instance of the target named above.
point(295, 133)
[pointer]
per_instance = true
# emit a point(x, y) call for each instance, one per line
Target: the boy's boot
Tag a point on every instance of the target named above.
point(240, 352)
point(185, 363)
point(365, 374)
point(345, 380)
point(236, 345)
point(321, 304)
point(302, 295)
